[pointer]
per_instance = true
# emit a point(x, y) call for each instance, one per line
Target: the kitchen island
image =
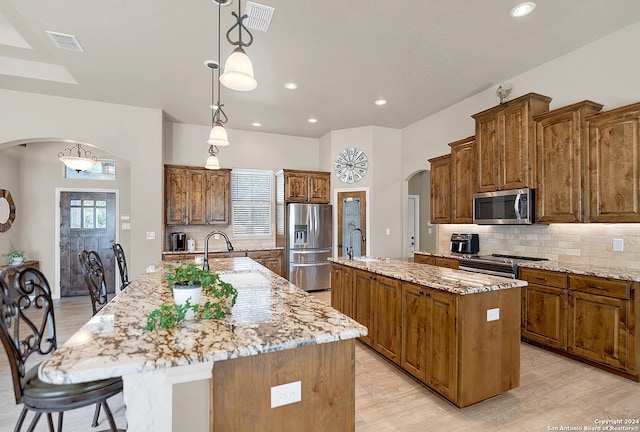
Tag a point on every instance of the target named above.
point(455, 331)
point(221, 375)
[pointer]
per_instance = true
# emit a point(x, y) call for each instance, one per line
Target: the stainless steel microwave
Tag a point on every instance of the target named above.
point(507, 207)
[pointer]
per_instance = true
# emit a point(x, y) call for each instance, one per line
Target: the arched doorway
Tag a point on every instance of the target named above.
point(418, 214)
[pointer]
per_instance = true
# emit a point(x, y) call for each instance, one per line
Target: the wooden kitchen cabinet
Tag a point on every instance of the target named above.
point(305, 186)
point(451, 263)
point(504, 143)
point(587, 318)
point(429, 337)
point(562, 146)
point(443, 339)
point(342, 289)
point(272, 259)
point(424, 259)
point(614, 165)
point(441, 189)
point(601, 324)
point(196, 196)
point(387, 317)
point(544, 307)
point(363, 303)
point(463, 180)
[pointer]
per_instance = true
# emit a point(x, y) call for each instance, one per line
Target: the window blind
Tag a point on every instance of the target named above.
point(252, 203)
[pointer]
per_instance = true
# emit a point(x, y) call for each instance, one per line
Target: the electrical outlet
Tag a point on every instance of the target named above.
point(493, 314)
point(286, 394)
point(151, 235)
point(618, 245)
point(216, 236)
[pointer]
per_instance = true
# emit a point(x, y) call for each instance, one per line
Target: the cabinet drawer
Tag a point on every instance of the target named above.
point(544, 277)
point(424, 259)
point(601, 286)
point(448, 263)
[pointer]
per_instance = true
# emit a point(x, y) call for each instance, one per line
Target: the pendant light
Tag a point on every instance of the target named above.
point(238, 70)
point(81, 162)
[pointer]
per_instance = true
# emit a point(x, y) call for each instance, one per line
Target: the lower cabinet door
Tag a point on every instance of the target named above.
point(413, 354)
point(388, 316)
point(544, 315)
point(364, 289)
point(599, 329)
point(442, 345)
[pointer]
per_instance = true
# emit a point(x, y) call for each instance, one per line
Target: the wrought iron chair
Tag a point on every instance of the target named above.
point(27, 326)
point(94, 278)
point(118, 252)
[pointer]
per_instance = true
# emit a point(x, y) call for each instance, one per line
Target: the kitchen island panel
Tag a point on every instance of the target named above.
point(241, 390)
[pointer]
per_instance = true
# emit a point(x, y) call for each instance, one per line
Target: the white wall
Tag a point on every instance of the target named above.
point(606, 71)
point(10, 180)
point(132, 133)
point(187, 145)
point(382, 179)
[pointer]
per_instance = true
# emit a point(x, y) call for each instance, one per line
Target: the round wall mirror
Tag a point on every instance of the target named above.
point(7, 210)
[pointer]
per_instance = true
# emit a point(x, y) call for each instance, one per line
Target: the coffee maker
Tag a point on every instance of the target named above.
point(465, 243)
point(178, 241)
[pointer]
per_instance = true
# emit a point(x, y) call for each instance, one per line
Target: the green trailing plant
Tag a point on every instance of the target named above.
point(170, 316)
point(13, 253)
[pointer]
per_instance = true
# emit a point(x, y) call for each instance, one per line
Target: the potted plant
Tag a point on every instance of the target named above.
point(187, 282)
point(14, 256)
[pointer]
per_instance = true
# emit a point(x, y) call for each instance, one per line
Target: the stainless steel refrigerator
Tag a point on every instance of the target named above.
point(308, 245)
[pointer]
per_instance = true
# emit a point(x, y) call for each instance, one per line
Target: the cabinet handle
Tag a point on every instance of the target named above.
point(595, 287)
point(541, 278)
point(428, 294)
point(421, 292)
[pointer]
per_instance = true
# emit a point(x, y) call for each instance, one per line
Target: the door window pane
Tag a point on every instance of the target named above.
point(88, 218)
point(350, 221)
point(75, 218)
point(101, 218)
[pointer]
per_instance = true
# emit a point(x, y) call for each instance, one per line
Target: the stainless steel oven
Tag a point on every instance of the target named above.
point(495, 264)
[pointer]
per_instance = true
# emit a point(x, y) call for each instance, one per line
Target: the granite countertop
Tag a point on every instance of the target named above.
point(201, 251)
point(267, 317)
point(446, 279)
point(564, 267)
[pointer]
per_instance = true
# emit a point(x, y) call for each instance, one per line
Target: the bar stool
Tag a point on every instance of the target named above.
point(94, 278)
point(27, 327)
point(118, 253)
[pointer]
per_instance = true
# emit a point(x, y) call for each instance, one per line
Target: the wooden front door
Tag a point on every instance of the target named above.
point(352, 213)
point(87, 221)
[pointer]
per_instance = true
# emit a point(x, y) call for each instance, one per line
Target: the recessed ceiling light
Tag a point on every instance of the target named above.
point(380, 102)
point(291, 85)
point(312, 120)
point(523, 9)
point(256, 124)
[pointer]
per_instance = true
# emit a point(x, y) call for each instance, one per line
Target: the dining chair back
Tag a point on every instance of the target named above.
point(118, 252)
point(27, 327)
point(94, 278)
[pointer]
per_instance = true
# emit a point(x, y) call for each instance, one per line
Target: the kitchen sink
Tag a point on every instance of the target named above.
point(244, 278)
point(366, 259)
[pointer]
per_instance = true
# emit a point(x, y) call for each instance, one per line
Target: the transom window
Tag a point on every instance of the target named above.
point(252, 203)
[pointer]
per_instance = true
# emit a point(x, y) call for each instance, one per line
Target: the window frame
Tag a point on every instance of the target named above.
point(235, 203)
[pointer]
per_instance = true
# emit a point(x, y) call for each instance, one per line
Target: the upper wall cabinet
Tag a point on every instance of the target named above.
point(505, 150)
point(196, 196)
point(441, 189)
point(463, 180)
point(304, 186)
point(614, 158)
point(562, 143)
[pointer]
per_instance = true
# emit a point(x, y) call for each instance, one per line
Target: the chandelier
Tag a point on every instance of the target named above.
point(81, 161)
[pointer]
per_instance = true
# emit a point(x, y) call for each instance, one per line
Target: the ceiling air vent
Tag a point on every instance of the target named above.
point(65, 41)
point(259, 16)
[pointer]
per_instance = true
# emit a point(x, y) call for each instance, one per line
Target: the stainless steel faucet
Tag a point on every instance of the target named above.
point(205, 265)
point(350, 249)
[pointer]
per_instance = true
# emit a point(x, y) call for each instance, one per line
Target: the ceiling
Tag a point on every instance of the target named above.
point(420, 55)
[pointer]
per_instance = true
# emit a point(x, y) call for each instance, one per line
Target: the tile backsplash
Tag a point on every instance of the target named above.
point(199, 233)
point(568, 243)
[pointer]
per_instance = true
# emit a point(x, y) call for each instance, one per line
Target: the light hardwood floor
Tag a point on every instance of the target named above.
point(554, 392)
